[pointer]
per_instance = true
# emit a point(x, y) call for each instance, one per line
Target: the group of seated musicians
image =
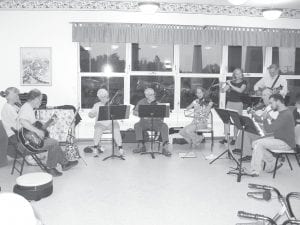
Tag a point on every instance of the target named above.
point(15, 118)
point(274, 116)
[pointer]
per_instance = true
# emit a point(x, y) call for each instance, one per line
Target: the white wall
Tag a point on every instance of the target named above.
point(53, 29)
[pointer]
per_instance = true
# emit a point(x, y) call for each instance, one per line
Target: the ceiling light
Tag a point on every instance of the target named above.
point(272, 14)
point(237, 2)
point(114, 47)
point(148, 7)
point(87, 48)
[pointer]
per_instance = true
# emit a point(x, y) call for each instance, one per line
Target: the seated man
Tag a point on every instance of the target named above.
point(101, 126)
point(284, 136)
point(202, 106)
point(27, 119)
point(145, 123)
point(296, 114)
point(259, 111)
point(9, 115)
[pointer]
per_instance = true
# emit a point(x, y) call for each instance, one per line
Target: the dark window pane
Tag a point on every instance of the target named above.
point(249, 58)
point(95, 57)
point(162, 85)
point(152, 57)
point(286, 59)
point(297, 62)
point(254, 60)
point(294, 89)
point(90, 86)
point(200, 59)
point(188, 88)
point(234, 57)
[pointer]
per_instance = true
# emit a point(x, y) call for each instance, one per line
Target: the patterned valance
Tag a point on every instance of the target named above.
point(181, 34)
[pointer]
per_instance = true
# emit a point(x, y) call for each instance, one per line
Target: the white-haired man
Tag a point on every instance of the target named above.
point(145, 123)
point(101, 126)
point(272, 81)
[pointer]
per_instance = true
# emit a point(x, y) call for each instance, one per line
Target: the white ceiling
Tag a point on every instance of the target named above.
point(291, 4)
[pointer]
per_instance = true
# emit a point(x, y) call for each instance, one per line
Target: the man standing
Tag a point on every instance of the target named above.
point(145, 123)
point(27, 119)
point(272, 81)
point(284, 136)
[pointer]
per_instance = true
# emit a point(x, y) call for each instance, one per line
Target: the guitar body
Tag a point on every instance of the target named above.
point(31, 140)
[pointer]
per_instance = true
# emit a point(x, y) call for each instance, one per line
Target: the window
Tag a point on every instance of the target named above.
point(90, 86)
point(294, 89)
point(288, 60)
point(249, 58)
point(97, 57)
point(162, 85)
point(189, 85)
point(200, 59)
point(152, 57)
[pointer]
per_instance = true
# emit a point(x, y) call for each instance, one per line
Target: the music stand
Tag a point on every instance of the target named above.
point(227, 117)
point(246, 124)
point(153, 111)
point(113, 112)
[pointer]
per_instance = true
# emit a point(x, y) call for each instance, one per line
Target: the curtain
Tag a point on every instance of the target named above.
point(179, 34)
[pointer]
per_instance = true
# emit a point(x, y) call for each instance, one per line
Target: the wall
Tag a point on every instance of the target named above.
point(53, 29)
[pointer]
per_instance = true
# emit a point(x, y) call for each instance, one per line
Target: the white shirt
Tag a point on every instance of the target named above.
point(95, 111)
point(27, 113)
point(267, 82)
point(9, 115)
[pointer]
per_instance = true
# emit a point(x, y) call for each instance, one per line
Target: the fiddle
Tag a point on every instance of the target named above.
point(3, 94)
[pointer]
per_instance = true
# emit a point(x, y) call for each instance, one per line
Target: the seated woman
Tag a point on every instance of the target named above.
point(296, 114)
point(202, 106)
point(101, 126)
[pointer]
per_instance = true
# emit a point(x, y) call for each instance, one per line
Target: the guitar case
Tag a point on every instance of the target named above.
point(34, 186)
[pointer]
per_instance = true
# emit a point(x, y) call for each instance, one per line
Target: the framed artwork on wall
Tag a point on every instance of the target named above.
point(35, 66)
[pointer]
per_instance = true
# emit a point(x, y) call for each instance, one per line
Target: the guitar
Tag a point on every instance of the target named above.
point(30, 139)
point(274, 90)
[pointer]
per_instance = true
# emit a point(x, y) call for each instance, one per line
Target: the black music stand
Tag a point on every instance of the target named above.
point(245, 124)
point(113, 112)
point(226, 117)
point(153, 111)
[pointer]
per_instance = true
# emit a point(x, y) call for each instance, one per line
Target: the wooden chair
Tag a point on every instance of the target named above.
point(209, 130)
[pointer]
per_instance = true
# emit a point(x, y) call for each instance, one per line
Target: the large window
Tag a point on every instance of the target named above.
point(200, 59)
point(90, 86)
point(249, 58)
point(152, 57)
point(294, 89)
point(189, 86)
point(162, 85)
point(100, 57)
point(288, 60)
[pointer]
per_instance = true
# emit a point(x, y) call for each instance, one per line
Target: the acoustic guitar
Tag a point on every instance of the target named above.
point(31, 140)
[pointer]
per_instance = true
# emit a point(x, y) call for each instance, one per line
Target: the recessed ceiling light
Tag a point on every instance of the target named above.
point(272, 14)
point(114, 47)
point(148, 7)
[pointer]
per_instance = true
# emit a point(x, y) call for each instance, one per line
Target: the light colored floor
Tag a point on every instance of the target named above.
point(161, 191)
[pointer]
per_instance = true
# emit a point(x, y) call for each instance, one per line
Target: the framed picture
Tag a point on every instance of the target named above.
point(35, 66)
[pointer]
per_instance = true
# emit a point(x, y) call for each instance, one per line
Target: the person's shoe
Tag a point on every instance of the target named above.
point(54, 172)
point(69, 165)
point(100, 149)
point(236, 151)
point(166, 152)
point(246, 158)
point(277, 168)
point(251, 173)
point(224, 141)
point(140, 149)
point(232, 142)
point(121, 151)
